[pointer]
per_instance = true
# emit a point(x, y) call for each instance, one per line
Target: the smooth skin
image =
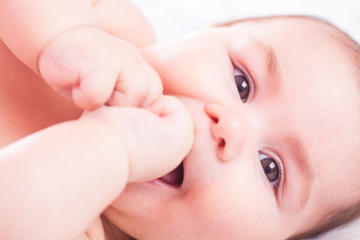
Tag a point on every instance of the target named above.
point(60, 168)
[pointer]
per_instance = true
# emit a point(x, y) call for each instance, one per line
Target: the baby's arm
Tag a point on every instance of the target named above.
point(26, 26)
point(121, 18)
point(54, 183)
point(63, 41)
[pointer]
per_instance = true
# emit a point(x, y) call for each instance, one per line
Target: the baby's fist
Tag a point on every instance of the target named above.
point(156, 139)
point(92, 68)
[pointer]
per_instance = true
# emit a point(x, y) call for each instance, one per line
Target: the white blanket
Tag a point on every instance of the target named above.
point(172, 19)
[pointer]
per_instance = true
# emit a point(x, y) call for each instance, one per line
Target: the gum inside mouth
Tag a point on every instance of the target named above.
point(175, 177)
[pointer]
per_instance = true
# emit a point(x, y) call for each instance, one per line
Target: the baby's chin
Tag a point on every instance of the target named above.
point(111, 231)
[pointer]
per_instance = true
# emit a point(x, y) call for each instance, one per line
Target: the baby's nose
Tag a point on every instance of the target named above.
point(229, 128)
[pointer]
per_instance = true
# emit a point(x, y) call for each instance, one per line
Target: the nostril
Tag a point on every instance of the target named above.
point(214, 119)
point(212, 112)
point(222, 143)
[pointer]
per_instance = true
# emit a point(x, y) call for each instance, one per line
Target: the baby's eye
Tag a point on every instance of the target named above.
point(242, 84)
point(270, 168)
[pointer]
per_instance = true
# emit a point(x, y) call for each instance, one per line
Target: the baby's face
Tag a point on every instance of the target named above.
point(276, 129)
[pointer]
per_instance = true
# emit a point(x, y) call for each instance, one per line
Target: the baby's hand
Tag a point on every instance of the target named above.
point(92, 68)
point(157, 138)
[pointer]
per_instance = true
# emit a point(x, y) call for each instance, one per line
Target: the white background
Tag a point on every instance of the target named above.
point(172, 19)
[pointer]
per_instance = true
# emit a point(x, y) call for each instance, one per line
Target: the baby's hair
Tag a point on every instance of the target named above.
point(350, 51)
point(334, 219)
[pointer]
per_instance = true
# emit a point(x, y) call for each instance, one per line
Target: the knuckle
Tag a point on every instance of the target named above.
point(140, 95)
point(91, 99)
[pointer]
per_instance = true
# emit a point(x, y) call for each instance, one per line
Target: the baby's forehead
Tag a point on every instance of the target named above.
point(295, 25)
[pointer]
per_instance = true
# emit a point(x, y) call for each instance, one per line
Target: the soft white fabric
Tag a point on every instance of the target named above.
point(350, 231)
point(173, 19)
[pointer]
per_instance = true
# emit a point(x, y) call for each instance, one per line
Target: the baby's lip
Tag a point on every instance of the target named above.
point(175, 177)
point(190, 175)
point(172, 180)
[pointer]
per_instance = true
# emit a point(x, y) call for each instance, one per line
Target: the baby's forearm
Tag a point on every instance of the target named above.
point(26, 26)
point(55, 182)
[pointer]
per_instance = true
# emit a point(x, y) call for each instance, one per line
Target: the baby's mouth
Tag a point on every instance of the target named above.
point(175, 177)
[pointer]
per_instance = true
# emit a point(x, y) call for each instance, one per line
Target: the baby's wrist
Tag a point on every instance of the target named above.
point(118, 124)
point(55, 47)
point(115, 143)
point(111, 135)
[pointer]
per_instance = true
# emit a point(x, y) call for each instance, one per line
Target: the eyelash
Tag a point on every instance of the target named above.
point(248, 79)
point(280, 167)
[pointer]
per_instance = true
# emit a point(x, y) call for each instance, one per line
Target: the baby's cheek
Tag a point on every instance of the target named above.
point(211, 206)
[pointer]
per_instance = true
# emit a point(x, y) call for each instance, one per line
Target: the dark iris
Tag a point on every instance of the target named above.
point(242, 87)
point(271, 170)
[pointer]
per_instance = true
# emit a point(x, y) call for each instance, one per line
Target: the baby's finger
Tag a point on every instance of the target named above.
point(174, 114)
point(155, 88)
point(94, 89)
point(176, 134)
point(59, 70)
point(131, 87)
point(137, 85)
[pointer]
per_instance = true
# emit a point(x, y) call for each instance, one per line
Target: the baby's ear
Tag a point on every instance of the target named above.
point(217, 24)
point(212, 25)
point(226, 23)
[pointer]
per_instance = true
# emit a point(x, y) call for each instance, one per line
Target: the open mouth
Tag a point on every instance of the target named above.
point(175, 177)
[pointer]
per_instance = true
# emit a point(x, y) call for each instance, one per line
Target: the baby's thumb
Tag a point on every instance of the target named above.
point(178, 121)
point(176, 133)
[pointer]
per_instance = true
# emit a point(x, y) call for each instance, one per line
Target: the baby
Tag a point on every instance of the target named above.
point(274, 103)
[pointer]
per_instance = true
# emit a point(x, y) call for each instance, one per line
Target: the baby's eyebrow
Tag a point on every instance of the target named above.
point(301, 159)
point(271, 63)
